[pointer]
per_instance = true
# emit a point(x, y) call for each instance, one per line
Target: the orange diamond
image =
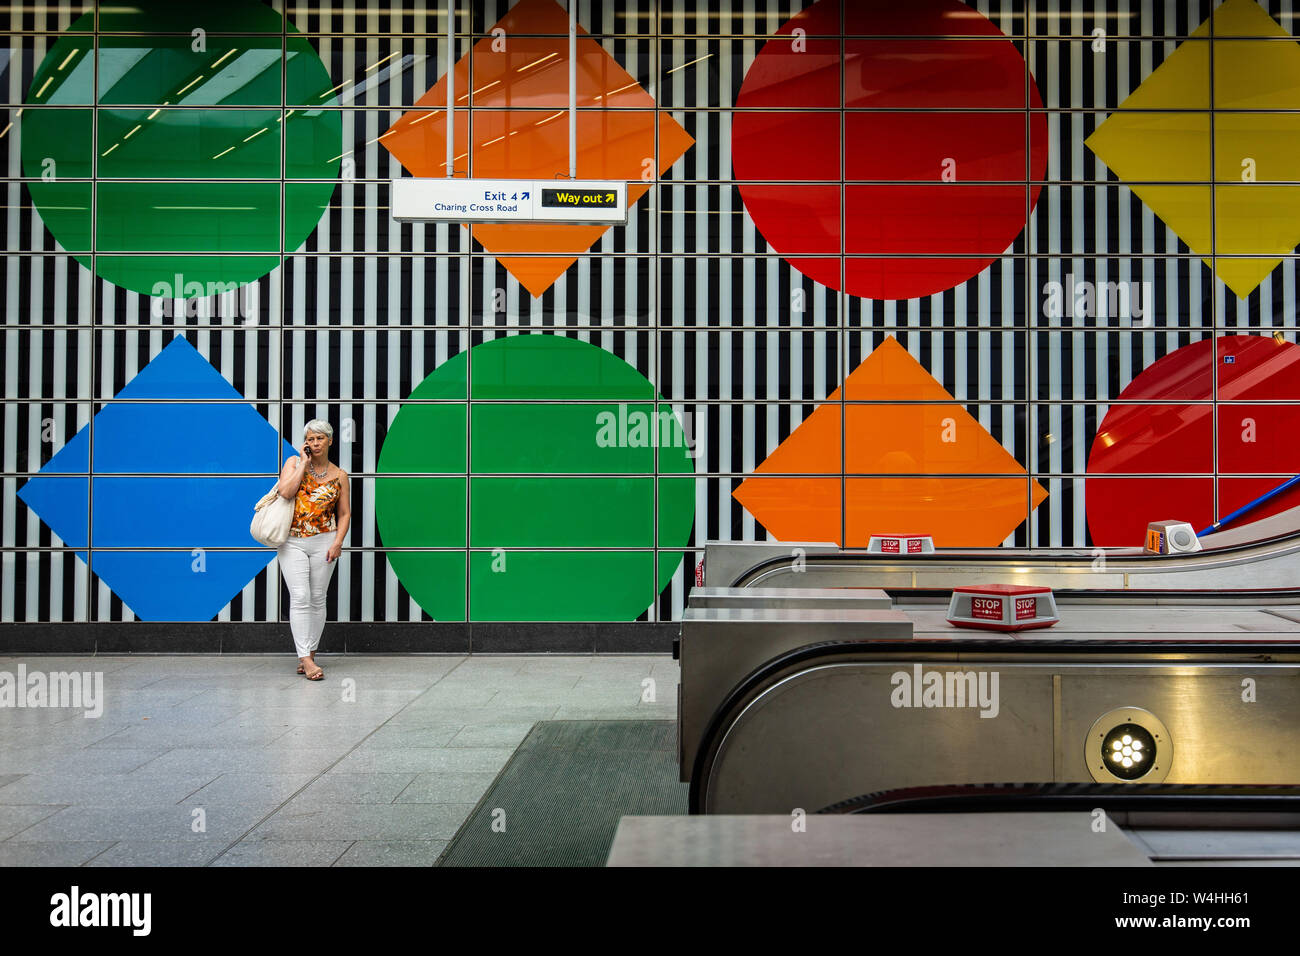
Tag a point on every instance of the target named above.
point(515, 143)
point(910, 441)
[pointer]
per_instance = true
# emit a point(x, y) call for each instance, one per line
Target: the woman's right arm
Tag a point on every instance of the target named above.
point(291, 476)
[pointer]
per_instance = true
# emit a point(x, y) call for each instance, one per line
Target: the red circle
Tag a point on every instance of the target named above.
point(1166, 440)
point(924, 135)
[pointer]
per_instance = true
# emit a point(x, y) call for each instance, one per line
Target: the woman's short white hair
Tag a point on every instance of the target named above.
point(320, 427)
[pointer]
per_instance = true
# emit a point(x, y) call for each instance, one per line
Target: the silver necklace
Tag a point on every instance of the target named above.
point(311, 466)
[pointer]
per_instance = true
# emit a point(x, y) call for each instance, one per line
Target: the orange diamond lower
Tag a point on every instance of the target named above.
point(921, 444)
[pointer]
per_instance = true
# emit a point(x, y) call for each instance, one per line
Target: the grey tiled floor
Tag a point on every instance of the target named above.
point(237, 761)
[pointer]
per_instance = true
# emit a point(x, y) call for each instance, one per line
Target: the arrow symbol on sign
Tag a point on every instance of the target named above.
point(524, 195)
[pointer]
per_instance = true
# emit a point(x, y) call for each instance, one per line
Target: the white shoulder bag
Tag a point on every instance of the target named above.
point(272, 516)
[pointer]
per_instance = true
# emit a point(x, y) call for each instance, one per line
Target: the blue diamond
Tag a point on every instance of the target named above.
point(212, 440)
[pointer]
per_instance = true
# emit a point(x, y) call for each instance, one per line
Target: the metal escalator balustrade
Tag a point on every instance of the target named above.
point(829, 720)
point(720, 646)
point(1265, 569)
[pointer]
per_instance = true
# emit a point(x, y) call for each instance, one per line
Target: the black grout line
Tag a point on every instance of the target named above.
point(102, 852)
point(350, 845)
point(60, 808)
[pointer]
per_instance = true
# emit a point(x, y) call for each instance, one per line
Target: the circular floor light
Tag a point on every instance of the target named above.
point(1131, 750)
point(1128, 745)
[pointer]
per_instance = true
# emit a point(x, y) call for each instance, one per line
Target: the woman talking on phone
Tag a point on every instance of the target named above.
point(308, 558)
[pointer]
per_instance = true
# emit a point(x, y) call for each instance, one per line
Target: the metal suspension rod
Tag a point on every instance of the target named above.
point(573, 89)
point(451, 86)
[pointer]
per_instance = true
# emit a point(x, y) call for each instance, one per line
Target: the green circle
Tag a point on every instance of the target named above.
point(570, 453)
point(162, 225)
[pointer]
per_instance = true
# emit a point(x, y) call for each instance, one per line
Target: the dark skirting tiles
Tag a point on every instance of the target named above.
point(259, 638)
point(342, 637)
point(429, 637)
point(47, 639)
point(157, 637)
point(572, 637)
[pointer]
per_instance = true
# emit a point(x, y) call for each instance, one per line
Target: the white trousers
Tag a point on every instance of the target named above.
point(307, 574)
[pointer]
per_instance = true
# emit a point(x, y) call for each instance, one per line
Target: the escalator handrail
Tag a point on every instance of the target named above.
point(757, 680)
point(993, 555)
point(1056, 797)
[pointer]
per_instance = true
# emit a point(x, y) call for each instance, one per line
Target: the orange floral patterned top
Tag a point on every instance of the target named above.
point(313, 509)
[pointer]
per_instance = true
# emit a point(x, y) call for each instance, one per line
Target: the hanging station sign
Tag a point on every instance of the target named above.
point(591, 202)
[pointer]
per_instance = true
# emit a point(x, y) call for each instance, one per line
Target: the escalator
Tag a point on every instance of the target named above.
point(826, 722)
point(800, 703)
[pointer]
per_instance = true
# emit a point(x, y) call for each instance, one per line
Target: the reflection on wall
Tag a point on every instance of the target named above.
point(737, 292)
point(939, 230)
point(521, 131)
point(1249, 217)
point(158, 134)
point(1160, 442)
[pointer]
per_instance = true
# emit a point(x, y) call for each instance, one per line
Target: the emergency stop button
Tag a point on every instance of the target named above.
point(900, 544)
point(1002, 607)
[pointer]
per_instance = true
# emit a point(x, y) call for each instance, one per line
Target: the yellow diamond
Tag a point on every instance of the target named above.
point(1250, 218)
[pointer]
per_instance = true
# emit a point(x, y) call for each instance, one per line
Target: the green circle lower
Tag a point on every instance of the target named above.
point(577, 476)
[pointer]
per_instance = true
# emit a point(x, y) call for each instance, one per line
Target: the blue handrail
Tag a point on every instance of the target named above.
point(1228, 519)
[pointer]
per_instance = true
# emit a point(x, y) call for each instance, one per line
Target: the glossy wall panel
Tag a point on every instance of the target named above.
point(1036, 262)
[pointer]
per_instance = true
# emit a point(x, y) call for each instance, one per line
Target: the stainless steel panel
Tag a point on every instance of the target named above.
point(720, 646)
point(1220, 844)
point(725, 561)
point(1048, 576)
point(1217, 737)
point(838, 575)
point(808, 619)
point(1135, 622)
point(903, 839)
point(836, 732)
point(833, 731)
point(830, 598)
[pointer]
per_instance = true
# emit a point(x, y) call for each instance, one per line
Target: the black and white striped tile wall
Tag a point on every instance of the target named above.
point(688, 293)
